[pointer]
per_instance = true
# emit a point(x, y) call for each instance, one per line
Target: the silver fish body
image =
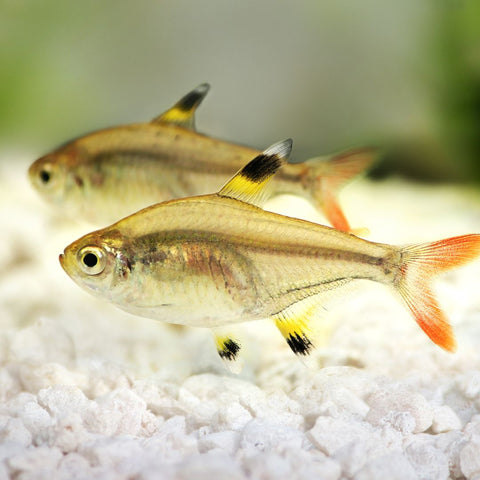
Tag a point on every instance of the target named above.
point(212, 260)
point(111, 173)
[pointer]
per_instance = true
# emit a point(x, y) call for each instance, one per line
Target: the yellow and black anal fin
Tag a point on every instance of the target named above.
point(295, 324)
point(183, 112)
point(249, 184)
point(228, 349)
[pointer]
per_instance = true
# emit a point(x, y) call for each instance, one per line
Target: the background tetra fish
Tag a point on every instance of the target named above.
point(111, 173)
point(214, 260)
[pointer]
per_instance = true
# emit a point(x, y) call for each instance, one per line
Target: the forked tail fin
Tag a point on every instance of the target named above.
point(330, 175)
point(420, 264)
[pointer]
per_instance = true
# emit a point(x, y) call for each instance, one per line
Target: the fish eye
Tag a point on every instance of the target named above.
point(45, 176)
point(92, 260)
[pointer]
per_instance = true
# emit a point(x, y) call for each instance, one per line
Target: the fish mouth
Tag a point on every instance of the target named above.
point(61, 259)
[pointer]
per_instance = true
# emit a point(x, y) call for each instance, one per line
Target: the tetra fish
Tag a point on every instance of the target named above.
point(214, 260)
point(111, 173)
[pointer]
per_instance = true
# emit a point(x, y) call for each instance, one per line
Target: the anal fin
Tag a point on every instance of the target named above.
point(295, 324)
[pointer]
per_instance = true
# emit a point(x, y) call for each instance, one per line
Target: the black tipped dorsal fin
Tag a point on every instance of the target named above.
point(249, 184)
point(183, 112)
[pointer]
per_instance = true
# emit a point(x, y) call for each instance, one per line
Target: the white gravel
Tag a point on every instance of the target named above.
point(87, 391)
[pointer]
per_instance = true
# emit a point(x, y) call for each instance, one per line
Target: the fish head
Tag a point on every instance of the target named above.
point(56, 176)
point(96, 263)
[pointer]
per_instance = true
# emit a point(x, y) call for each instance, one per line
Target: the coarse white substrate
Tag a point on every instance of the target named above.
point(88, 391)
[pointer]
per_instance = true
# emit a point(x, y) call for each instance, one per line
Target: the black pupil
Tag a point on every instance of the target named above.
point(90, 260)
point(44, 176)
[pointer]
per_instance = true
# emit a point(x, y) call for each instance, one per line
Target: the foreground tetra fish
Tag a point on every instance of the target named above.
point(214, 260)
point(111, 173)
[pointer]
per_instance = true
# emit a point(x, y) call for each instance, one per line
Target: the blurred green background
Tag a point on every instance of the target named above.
point(330, 74)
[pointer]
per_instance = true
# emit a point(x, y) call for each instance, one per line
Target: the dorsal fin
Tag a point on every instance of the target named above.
point(183, 112)
point(249, 183)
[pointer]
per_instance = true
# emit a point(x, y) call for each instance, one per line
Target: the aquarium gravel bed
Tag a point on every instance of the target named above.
point(87, 391)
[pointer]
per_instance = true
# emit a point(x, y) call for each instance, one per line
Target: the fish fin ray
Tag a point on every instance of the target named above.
point(423, 261)
point(296, 325)
point(228, 348)
point(183, 112)
point(250, 183)
point(333, 211)
point(330, 175)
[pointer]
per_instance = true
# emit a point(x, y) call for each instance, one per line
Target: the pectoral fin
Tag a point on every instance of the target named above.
point(183, 112)
point(249, 184)
point(228, 347)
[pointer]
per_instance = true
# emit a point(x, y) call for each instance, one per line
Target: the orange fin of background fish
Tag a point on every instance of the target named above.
point(183, 112)
point(421, 263)
point(332, 209)
point(331, 175)
point(249, 184)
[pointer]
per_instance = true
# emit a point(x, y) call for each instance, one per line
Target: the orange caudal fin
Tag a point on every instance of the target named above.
point(420, 264)
point(329, 175)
